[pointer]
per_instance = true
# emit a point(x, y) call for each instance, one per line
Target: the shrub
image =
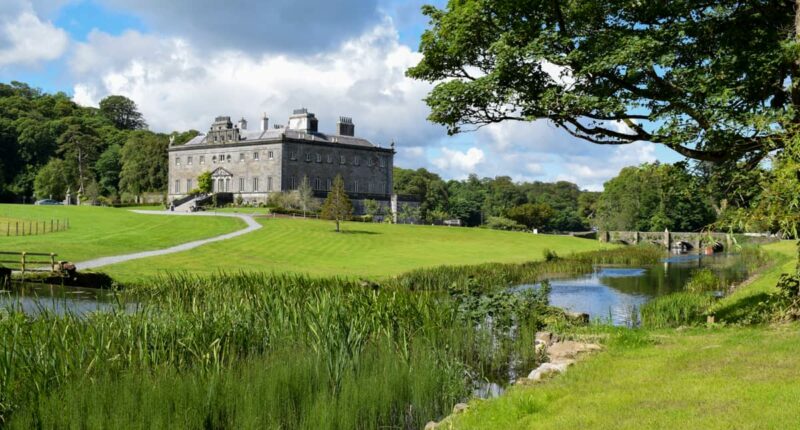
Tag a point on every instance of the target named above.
point(549, 255)
point(704, 280)
point(500, 223)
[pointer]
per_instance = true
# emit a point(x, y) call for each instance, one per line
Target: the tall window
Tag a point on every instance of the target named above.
point(356, 160)
point(293, 155)
point(317, 184)
point(269, 183)
point(214, 159)
point(370, 162)
point(292, 182)
point(241, 184)
point(202, 159)
point(177, 186)
point(188, 185)
point(255, 185)
point(330, 158)
point(229, 158)
point(308, 156)
point(269, 155)
point(189, 160)
point(319, 158)
point(342, 159)
point(355, 186)
point(255, 155)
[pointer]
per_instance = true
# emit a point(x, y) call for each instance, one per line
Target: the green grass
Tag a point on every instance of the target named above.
point(712, 378)
point(363, 250)
point(98, 231)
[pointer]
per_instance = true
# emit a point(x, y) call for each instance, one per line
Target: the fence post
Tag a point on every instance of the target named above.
point(17, 228)
point(51, 225)
point(58, 227)
point(23, 263)
point(37, 227)
point(52, 262)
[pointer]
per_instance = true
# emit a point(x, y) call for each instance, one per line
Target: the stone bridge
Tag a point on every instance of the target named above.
point(669, 240)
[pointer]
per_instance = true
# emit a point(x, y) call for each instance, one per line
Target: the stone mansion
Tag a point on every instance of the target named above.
point(255, 163)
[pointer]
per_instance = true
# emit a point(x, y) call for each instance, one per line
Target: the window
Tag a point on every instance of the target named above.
point(317, 184)
point(330, 158)
point(255, 185)
point(229, 158)
point(177, 186)
point(383, 162)
point(308, 156)
point(293, 155)
point(269, 155)
point(319, 158)
point(241, 184)
point(342, 160)
point(356, 160)
point(177, 161)
point(292, 182)
point(355, 186)
point(202, 159)
point(241, 157)
point(269, 183)
point(215, 138)
point(370, 161)
point(189, 160)
point(255, 156)
point(369, 187)
point(188, 185)
point(214, 159)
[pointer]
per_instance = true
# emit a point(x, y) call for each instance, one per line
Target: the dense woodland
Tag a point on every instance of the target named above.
point(52, 145)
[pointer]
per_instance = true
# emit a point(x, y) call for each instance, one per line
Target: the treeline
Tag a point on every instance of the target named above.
point(498, 202)
point(51, 145)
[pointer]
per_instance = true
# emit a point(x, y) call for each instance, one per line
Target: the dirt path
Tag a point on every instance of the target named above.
point(252, 225)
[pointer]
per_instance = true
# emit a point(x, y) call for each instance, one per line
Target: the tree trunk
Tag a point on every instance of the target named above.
point(337, 225)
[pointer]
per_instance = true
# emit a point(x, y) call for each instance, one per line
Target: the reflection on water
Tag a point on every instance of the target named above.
point(615, 293)
point(35, 298)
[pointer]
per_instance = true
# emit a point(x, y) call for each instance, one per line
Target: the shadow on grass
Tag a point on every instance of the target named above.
point(740, 309)
point(358, 232)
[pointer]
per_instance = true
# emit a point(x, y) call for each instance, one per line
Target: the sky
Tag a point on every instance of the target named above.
point(185, 62)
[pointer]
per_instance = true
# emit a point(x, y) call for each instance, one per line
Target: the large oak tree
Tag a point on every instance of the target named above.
point(712, 80)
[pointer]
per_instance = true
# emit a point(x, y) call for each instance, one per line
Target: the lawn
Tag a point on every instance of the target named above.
point(362, 249)
point(97, 231)
point(710, 378)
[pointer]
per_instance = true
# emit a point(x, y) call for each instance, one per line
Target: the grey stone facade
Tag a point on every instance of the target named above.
point(255, 163)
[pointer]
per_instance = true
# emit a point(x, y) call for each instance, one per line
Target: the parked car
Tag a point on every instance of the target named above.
point(47, 202)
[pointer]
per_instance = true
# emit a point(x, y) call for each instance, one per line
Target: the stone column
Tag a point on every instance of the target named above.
point(667, 239)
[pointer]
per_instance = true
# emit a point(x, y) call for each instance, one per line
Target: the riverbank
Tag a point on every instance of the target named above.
point(710, 377)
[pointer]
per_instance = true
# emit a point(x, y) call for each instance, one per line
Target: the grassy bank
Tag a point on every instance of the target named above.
point(717, 377)
point(363, 250)
point(99, 232)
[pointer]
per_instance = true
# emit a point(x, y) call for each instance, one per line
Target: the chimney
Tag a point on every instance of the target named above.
point(242, 124)
point(345, 126)
point(264, 122)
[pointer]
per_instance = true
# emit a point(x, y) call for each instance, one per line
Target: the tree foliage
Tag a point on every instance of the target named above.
point(144, 163)
point(337, 205)
point(122, 112)
point(713, 81)
point(654, 197)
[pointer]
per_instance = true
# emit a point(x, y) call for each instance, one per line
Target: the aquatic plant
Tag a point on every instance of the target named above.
point(676, 309)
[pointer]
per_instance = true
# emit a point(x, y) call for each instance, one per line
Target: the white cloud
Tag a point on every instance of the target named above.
point(178, 86)
point(457, 163)
point(27, 40)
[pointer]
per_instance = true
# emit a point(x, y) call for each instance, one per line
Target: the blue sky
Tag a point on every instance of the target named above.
point(187, 61)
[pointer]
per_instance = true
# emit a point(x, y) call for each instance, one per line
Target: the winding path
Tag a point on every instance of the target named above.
point(252, 225)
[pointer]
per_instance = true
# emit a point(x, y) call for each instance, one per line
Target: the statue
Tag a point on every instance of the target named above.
point(171, 139)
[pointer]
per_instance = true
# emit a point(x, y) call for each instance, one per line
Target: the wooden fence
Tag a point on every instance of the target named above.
point(30, 261)
point(33, 228)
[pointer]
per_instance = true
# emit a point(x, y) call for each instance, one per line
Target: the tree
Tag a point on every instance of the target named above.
point(337, 205)
point(144, 163)
point(713, 81)
point(305, 194)
point(80, 144)
point(204, 182)
point(122, 112)
point(52, 180)
point(532, 215)
point(372, 207)
point(108, 169)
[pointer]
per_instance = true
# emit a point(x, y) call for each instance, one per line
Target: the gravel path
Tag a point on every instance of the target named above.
point(252, 225)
